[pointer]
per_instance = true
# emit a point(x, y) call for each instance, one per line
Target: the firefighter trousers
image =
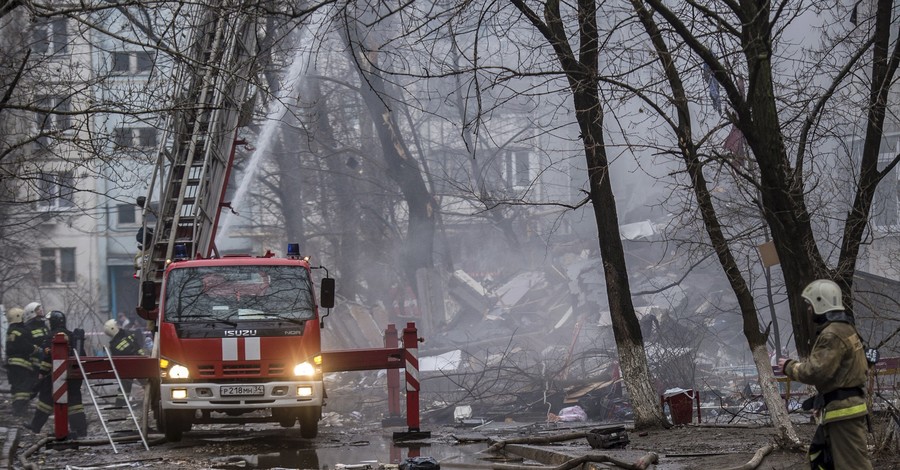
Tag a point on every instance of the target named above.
point(21, 383)
point(44, 408)
point(848, 441)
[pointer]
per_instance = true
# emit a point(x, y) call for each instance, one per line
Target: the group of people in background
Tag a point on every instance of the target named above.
point(28, 363)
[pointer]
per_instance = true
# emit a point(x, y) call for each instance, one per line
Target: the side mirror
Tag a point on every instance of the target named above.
point(148, 295)
point(326, 293)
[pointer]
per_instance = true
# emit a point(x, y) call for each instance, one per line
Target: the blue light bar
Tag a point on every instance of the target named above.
point(180, 252)
point(293, 249)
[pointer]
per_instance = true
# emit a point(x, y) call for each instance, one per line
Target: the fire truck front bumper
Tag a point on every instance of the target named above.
point(286, 394)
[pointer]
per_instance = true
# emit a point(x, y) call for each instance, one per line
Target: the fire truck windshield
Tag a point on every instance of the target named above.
point(236, 293)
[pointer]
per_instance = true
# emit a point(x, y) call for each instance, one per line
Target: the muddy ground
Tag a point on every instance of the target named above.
point(357, 440)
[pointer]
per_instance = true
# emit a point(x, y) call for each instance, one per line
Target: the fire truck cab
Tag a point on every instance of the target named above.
point(239, 341)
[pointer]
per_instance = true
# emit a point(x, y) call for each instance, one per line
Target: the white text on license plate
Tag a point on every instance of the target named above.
point(241, 390)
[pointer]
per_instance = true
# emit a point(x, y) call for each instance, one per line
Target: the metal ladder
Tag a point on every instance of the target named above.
point(120, 390)
point(197, 150)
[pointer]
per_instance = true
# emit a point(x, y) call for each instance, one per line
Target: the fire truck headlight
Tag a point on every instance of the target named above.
point(178, 372)
point(304, 369)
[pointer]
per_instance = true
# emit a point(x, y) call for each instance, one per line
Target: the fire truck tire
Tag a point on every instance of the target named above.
point(174, 435)
point(174, 424)
point(309, 422)
point(286, 417)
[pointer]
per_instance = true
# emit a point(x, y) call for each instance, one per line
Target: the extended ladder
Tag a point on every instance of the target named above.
point(196, 152)
point(108, 360)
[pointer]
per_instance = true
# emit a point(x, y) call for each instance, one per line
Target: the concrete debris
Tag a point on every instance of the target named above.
point(448, 361)
point(470, 292)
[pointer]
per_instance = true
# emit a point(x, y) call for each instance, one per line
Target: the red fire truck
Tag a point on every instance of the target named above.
point(238, 341)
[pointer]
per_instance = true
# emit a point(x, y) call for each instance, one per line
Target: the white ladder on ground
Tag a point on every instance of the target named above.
point(120, 390)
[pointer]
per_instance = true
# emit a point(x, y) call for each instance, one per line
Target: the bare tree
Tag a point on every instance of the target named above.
point(785, 134)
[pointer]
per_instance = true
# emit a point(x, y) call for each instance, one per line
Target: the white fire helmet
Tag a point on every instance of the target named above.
point(111, 327)
point(824, 296)
point(15, 315)
point(33, 307)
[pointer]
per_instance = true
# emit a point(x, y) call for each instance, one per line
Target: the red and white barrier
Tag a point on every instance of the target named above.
point(59, 374)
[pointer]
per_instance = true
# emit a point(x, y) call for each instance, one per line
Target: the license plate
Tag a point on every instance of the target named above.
point(241, 390)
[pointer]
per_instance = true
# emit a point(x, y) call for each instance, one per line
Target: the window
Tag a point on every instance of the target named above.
point(122, 137)
point(517, 172)
point(132, 62)
point(49, 36)
point(522, 175)
point(57, 265)
point(56, 190)
point(52, 112)
point(146, 137)
point(126, 214)
point(135, 137)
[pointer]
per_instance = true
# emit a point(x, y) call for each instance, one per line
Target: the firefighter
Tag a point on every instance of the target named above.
point(37, 330)
point(77, 418)
point(837, 367)
point(19, 369)
point(123, 343)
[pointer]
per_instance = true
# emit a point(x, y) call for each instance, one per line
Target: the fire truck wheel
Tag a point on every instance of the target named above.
point(174, 424)
point(309, 422)
point(167, 426)
point(286, 417)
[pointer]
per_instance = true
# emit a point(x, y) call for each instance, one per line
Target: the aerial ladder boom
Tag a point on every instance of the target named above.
point(197, 149)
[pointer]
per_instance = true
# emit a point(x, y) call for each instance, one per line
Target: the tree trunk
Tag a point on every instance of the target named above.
point(581, 73)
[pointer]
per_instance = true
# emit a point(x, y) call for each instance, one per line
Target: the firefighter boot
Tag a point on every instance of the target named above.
point(40, 418)
point(77, 425)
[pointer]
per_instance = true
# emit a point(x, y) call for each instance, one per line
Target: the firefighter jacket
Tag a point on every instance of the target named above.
point(38, 332)
point(46, 349)
point(837, 368)
point(19, 347)
point(125, 343)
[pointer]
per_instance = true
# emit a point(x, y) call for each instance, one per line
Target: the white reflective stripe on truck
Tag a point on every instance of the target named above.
point(230, 349)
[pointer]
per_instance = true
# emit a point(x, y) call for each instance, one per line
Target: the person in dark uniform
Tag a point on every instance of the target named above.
point(77, 418)
point(837, 367)
point(123, 342)
point(19, 370)
point(37, 329)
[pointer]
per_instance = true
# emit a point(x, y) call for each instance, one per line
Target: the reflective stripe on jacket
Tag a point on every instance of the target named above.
point(125, 343)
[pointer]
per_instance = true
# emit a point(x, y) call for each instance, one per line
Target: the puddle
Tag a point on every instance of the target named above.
point(363, 452)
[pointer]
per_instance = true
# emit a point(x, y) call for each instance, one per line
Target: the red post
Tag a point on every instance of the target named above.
point(393, 375)
point(411, 356)
point(59, 352)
